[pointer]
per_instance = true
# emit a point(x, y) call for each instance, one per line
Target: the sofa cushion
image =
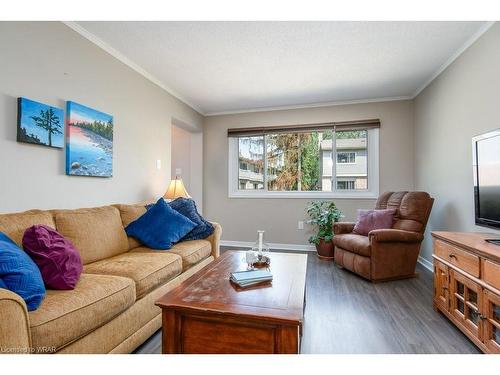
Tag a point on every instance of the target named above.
point(14, 225)
point(20, 274)
point(66, 315)
point(97, 233)
point(56, 257)
point(191, 252)
point(160, 227)
point(129, 213)
point(354, 243)
point(148, 271)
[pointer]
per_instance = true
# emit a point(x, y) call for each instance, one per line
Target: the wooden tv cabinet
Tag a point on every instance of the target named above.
point(467, 285)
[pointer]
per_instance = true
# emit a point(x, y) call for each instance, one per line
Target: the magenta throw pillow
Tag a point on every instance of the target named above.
point(56, 257)
point(369, 220)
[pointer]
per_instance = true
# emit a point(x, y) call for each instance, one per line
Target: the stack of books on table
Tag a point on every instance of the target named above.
point(252, 277)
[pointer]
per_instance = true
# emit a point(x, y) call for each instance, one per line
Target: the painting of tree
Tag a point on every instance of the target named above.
point(48, 121)
point(40, 124)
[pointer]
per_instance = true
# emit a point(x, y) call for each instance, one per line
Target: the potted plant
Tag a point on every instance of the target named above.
point(322, 215)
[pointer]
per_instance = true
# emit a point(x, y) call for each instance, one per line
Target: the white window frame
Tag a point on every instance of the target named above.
point(373, 176)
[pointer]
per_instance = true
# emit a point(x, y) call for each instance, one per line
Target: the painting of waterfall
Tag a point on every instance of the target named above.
point(89, 141)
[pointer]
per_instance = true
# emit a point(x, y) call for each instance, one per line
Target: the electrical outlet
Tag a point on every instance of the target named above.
point(300, 225)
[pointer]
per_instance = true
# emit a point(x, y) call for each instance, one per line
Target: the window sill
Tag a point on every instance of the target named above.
point(303, 195)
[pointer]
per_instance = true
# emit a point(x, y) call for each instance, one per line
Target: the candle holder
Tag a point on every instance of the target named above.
point(261, 251)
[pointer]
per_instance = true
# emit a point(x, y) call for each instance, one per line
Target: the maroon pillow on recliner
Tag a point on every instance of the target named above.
point(56, 257)
point(369, 220)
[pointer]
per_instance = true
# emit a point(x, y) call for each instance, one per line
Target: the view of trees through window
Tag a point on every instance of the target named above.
point(303, 161)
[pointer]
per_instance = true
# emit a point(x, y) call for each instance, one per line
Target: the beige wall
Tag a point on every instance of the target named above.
point(461, 103)
point(50, 63)
point(240, 218)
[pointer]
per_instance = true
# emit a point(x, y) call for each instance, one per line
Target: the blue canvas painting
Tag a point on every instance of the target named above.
point(39, 123)
point(89, 141)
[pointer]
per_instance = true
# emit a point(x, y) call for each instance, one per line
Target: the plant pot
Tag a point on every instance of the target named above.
point(325, 249)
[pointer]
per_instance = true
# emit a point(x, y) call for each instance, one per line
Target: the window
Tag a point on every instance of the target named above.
point(345, 185)
point(306, 164)
point(346, 157)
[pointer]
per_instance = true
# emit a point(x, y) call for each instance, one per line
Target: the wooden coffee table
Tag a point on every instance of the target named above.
point(208, 314)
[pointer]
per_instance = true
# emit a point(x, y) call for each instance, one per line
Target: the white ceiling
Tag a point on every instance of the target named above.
point(240, 66)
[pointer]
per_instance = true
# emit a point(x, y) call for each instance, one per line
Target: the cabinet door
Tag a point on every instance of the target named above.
point(465, 303)
point(491, 322)
point(441, 285)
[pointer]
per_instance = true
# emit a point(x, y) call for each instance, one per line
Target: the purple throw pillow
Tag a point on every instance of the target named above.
point(56, 257)
point(369, 220)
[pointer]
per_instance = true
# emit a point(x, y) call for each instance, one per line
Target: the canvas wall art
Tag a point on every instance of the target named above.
point(89, 141)
point(39, 123)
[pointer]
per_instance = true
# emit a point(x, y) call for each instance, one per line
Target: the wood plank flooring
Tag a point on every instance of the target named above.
point(346, 314)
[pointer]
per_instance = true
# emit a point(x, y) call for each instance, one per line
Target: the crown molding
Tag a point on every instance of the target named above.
point(453, 57)
point(125, 60)
point(310, 105)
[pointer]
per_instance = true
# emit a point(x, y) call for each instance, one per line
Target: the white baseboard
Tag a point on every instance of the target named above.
point(424, 262)
point(277, 246)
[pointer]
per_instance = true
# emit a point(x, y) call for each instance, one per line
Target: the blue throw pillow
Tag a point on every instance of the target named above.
point(20, 274)
point(187, 207)
point(160, 227)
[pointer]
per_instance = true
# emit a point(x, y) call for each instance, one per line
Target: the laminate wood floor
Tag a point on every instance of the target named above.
point(346, 314)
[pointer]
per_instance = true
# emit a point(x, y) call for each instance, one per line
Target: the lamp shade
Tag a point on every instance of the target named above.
point(176, 189)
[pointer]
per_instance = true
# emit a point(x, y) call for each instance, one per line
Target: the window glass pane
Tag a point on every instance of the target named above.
point(473, 316)
point(316, 161)
point(299, 161)
point(460, 306)
point(472, 296)
point(282, 162)
point(496, 312)
point(496, 335)
point(351, 160)
point(251, 163)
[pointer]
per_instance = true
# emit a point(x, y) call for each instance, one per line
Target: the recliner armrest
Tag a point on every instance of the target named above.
point(342, 228)
point(395, 235)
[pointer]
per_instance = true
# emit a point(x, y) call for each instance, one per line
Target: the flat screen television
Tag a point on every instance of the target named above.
point(486, 165)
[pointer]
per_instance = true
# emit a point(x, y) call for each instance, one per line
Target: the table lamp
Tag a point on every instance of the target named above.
point(176, 189)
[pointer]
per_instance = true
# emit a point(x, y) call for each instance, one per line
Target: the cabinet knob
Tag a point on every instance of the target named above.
point(452, 256)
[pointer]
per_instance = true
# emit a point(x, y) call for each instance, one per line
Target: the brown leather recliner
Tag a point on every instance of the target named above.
point(386, 254)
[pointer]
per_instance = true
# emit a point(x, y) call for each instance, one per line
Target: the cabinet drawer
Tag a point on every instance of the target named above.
point(491, 273)
point(459, 258)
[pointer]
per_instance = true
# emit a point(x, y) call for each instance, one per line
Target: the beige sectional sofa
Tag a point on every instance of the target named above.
point(112, 309)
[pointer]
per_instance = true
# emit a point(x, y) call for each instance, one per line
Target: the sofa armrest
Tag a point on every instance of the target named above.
point(342, 228)
point(214, 239)
point(395, 235)
point(15, 335)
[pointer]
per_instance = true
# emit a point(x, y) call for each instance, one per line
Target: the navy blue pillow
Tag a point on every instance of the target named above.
point(160, 227)
point(187, 207)
point(20, 274)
